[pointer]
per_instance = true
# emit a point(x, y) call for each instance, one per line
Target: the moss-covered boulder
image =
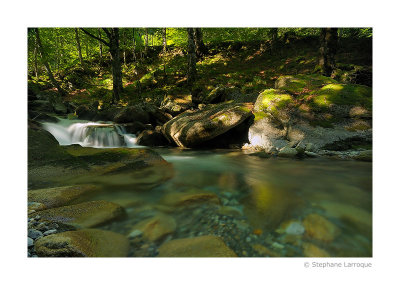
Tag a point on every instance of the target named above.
point(202, 246)
point(274, 104)
point(83, 243)
point(61, 196)
point(192, 128)
point(151, 138)
point(216, 95)
point(302, 83)
point(83, 215)
point(343, 94)
point(134, 168)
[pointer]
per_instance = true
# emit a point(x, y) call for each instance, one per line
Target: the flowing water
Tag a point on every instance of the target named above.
point(267, 207)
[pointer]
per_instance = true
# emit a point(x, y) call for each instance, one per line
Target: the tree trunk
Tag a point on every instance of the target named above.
point(146, 41)
point(100, 48)
point(134, 45)
point(35, 58)
point(46, 64)
point(201, 49)
point(116, 64)
point(78, 46)
point(328, 49)
point(191, 74)
point(164, 51)
point(274, 38)
point(124, 46)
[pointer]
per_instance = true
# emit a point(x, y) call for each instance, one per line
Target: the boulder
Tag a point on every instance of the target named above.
point(302, 83)
point(61, 196)
point(83, 243)
point(151, 138)
point(202, 246)
point(217, 95)
point(365, 155)
point(288, 152)
point(176, 104)
point(192, 128)
point(85, 112)
point(83, 215)
point(132, 114)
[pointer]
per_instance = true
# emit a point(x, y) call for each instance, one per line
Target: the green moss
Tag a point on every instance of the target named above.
point(272, 100)
point(343, 94)
point(301, 84)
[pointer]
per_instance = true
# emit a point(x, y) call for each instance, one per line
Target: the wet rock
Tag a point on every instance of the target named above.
point(152, 138)
point(291, 227)
point(84, 215)
point(49, 232)
point(365, 155)
point(156, 227)
point(320, 228)
point(60, 196)
point(230, 211)
point(35, 206)
point(192, 128)
point(311, 250)
point(202, 246)
point(189, 198)
point(30, 242)
point(132, 114)
point(34, 234)
point(288, 152)
point(83, 243)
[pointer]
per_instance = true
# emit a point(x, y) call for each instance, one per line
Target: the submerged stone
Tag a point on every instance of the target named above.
point(83, 243)
point(203, 246)
point(320, 228)
point(189, 198)
point(311, 250)
point(156, 227)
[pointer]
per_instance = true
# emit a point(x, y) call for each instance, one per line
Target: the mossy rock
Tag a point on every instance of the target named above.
point(60, 196)
point(272, 100)
point(156, 227)
point(83, 243)
point(83, 215)
point(343, 94)
point(301, 84)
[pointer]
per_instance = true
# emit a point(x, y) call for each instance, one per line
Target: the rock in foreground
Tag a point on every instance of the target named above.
point(84, 215)
point(203, 246)
point(83, 243)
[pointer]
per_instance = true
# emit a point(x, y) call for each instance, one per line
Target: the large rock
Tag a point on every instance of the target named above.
point(202, 246)
point(83, 243)
point(151, 138)
point(302, 83)
point(318, 227)
point(83, 215)
point(61, 196)
point(132, 114)
point(192, 128)
point(52, 165)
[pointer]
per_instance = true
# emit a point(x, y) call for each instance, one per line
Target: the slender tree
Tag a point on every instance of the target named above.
point(164, 33)
point(134, 45)
point(192, 73)
point(146, 41)
point(46, 64)
point(35, 52)
point(201, 48)
point(328, 49)
point(274, 38)
point(113, 45)
point(100, 46)
point(78, 46)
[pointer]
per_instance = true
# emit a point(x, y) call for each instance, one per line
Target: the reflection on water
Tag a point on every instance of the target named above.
point(268, 207)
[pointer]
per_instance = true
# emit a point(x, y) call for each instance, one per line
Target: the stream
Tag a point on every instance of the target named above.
point(267, 206)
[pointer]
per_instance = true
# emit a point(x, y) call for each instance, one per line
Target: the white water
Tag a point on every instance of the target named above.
point(91, 134)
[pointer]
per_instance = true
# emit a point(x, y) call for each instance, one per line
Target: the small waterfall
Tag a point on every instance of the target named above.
point(91, 134)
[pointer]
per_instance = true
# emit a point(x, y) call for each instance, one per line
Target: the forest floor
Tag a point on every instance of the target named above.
point(250, 67)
